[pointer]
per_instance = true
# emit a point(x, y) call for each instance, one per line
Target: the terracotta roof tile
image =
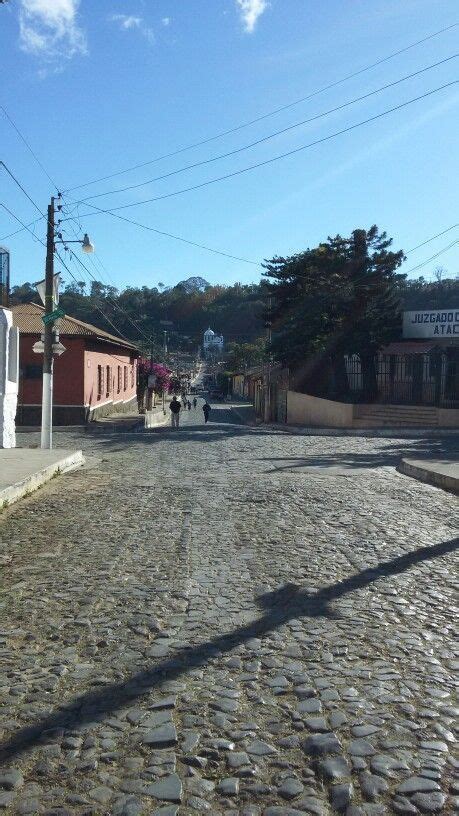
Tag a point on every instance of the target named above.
point(28, 318)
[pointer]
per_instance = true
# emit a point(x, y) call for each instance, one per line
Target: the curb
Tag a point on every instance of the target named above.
point(429, 476)
point(395, 433)
point(115, 427)
point(16, 491)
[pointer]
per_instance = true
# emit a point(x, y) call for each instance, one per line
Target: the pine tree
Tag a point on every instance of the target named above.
point(338, 299)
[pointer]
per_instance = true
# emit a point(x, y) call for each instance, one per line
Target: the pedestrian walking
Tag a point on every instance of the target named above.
point(195, 402)
point(174, 408)
point(189, 405)
point(206, 411)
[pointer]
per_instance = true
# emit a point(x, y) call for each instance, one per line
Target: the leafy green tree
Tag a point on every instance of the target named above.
point(240, 356)
point(340, 298)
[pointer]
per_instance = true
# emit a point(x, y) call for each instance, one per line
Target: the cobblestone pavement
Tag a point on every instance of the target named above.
point(231, 621)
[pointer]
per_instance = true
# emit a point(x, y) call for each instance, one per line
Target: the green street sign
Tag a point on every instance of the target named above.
point(53, 316)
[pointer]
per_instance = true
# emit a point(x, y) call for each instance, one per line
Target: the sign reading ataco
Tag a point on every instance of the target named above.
point(439, 323)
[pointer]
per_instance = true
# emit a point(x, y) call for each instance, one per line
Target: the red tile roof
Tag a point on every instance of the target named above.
point(28, 318)
point(409, 347)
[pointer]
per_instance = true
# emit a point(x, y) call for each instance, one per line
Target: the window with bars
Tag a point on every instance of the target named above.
point(119, 380)
point(132, 376)
point(125, 378)
point(107, 393)
point(100, 381)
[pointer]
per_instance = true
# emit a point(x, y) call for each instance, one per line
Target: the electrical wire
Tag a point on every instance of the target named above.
point(22, 137)
point(122, 336)
point(21, 188)
point(413, 249)
point(432, 258)
point(30, 224)
point(170, 235)
point(270, 135)
point(24, 226)
point(36, 206)
point(35, 237)
point(110, 300)
point(279, 156)
point(266, 115)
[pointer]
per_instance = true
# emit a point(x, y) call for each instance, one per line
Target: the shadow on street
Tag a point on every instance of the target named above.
point(286, 603)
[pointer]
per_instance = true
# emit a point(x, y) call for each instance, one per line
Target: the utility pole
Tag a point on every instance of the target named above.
point(165, 361)
point(152, 396)
point(267, 406)
point(47, 394)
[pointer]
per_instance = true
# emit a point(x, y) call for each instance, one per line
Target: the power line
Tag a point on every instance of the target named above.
point(266, 115)
point(280, 156)
point(21, 187)
point(26, 226)
point(432, 258)
point(270, 135)
point(95, 304)
point(438, 235)
point(22, 137)
point(112, 302)
point(99, 210)
point(62, 262)
point(36, 206)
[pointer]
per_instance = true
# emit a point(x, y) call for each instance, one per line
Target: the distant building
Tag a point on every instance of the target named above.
point(213, 344)
point(96, 375)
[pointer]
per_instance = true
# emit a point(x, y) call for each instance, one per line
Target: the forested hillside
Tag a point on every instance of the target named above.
point(186, 311)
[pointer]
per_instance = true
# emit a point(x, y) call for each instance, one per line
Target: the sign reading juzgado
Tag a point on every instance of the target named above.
point(439, 323)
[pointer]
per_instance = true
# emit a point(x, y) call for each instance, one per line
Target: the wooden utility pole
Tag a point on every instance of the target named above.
point(267, 378)
point(47, 394)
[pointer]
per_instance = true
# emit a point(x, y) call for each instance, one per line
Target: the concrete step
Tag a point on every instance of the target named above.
point(378, 422)
point(371, 416)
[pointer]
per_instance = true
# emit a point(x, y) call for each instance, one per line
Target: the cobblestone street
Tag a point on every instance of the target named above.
point(229, 620)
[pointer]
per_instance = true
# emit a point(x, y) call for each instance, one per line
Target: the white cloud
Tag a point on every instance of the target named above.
point(166, 21)
point(250, 11)
point(128, 22)
point(49, 28)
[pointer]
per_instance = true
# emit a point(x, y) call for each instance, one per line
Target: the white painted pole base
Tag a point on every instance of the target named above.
point(47, 412)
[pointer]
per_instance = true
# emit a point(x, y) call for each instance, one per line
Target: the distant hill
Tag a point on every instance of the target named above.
point(196, 284)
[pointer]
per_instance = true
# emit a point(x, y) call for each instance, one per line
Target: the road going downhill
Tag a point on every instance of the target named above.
point(229, 620)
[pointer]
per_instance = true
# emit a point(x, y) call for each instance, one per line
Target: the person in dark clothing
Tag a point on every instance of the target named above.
point(189, 405)
point(195, 402)
point(174, 408)
point(206, 411)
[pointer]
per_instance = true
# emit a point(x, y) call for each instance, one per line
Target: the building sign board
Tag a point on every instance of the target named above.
point(433, 324)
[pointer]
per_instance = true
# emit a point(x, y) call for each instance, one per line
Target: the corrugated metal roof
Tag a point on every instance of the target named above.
point(407, 347)
point(28, 318)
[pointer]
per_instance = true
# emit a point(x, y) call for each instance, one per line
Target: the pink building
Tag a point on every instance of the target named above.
point(96, 375)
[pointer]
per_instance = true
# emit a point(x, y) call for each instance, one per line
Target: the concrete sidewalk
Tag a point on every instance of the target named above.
point(439, 473)
point(23, 470)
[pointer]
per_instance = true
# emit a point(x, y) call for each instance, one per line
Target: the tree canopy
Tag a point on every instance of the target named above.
point(339, 298)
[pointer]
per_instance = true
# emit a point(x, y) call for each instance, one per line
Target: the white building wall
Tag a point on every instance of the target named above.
point(9, 378)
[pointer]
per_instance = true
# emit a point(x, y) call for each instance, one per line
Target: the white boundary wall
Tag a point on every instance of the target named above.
point(9, 378)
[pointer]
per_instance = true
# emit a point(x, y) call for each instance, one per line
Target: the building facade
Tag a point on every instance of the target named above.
point(96, 375)
point(213, 344)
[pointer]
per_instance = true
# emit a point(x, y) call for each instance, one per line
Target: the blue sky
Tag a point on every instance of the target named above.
point(96, 87)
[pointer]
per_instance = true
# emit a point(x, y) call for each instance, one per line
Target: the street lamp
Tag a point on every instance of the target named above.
point(86, 244)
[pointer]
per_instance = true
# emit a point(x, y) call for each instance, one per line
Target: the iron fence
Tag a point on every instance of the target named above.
point(407, 379)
